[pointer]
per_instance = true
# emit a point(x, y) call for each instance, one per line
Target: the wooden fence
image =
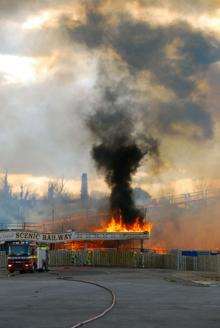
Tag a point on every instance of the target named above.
point(112, 258)
point(201, 263)
point(135, 260)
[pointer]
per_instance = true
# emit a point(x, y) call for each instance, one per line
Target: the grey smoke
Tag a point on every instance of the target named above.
point(144, 47)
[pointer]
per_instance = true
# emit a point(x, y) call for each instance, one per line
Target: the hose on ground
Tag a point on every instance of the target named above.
point(99, 315)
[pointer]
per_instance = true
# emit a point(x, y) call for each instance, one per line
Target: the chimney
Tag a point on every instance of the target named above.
point(84, 191)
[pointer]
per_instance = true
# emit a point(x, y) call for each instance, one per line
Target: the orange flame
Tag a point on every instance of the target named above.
point(159, 250)
point(117, 225)
point(81, 245)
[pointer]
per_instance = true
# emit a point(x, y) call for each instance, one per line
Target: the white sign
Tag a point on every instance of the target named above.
point(69, 236)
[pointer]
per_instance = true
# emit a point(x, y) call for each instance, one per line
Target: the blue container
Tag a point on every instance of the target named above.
point(190, 253)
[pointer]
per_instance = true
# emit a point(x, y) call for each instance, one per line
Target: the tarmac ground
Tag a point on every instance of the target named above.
point(144, 298)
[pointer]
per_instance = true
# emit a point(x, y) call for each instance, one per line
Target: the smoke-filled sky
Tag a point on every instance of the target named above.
point(160, 59)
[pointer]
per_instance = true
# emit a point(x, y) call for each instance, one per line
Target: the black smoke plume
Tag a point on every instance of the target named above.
point(119, 162)
point(118, 153)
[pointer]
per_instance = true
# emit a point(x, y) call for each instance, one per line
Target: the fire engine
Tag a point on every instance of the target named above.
point(24, 256)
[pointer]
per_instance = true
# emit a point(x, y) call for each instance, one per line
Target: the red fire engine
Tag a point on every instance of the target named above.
point(26, 257)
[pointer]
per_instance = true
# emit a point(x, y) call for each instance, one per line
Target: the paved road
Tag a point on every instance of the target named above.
point(145, 298)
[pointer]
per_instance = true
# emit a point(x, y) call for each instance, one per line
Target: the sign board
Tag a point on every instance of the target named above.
point(69, 236)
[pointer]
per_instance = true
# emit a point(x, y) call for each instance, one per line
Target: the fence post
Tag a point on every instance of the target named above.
point(179, 259)
point(218, 263)
point(195, 263)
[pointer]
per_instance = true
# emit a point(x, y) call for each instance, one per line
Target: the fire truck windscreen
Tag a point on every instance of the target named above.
point(18, 250)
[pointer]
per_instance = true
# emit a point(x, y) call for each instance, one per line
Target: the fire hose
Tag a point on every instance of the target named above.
point(99, 315)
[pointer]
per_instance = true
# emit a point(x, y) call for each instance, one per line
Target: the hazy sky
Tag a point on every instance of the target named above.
point(57, 57)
